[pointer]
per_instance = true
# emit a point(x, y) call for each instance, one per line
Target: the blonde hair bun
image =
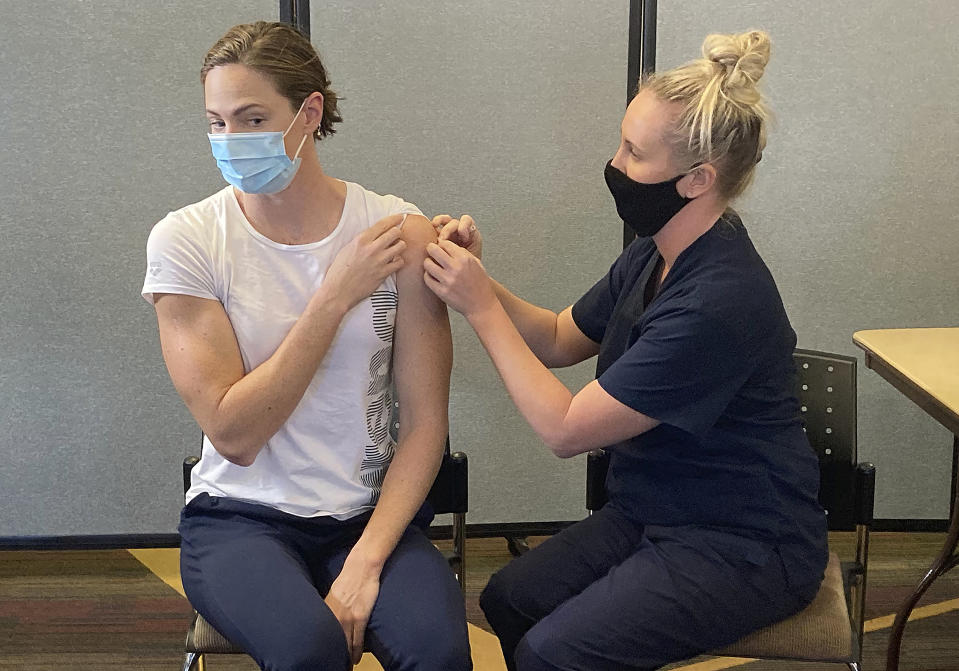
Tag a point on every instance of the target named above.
point(740, 60)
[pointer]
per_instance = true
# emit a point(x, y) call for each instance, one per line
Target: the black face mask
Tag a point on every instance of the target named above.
point(645, 208)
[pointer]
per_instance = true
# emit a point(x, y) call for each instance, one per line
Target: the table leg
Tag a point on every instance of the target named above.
point(946, 560)
point(955, 476)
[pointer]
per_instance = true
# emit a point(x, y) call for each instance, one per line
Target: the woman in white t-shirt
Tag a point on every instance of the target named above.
point(286, 302)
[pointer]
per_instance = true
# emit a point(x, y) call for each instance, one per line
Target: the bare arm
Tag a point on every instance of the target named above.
point(554, 339)
point(241, 411)
point(568, 424)
point(422, 358)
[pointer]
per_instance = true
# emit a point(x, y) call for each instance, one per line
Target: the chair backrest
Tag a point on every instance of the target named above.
point(826, 389)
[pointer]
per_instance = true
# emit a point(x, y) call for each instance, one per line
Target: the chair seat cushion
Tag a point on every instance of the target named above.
point(820, 632)
point(203, 638)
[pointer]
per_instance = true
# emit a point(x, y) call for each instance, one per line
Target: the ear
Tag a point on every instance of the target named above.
point(698, 181)
point(313, 110)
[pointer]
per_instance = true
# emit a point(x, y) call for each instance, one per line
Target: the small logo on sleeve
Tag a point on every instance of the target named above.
point(155, 268)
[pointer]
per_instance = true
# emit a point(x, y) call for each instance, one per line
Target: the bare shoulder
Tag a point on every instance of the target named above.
point(418, 232)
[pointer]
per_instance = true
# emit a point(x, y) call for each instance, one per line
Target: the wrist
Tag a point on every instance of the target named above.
point(485, 316)
point(366, 558)
point(329, 303)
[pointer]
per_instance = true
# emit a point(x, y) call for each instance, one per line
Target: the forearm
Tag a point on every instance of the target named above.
point(255, 407)
point(536, 325)
point(539, 395)
point(407, 482)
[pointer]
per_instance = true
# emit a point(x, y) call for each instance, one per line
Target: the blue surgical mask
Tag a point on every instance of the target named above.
point(256, 162)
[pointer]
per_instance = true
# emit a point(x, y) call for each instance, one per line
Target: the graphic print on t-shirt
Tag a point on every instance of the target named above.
point(379, 449)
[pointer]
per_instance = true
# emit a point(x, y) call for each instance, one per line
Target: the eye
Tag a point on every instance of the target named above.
point(632, 150)
point(217, 124)
point(256, 121)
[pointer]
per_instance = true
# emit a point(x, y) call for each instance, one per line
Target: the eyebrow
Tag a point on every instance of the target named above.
point(239, 110)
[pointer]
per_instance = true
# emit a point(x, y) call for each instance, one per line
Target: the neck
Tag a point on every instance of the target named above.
point(686, 227)
point(306, 211)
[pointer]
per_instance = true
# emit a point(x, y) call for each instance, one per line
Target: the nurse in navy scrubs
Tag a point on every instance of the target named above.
point(713, 528)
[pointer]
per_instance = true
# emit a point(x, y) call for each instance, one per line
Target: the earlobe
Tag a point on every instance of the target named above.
point(315, 109)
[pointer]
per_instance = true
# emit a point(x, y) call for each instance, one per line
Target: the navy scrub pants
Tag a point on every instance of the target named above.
point(608, 593)
point(259, 576)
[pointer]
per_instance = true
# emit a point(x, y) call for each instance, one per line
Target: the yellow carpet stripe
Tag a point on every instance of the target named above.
point(165, 564)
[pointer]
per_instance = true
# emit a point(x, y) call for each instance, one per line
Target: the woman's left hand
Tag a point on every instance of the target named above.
point(458, 278)
point(351, 598)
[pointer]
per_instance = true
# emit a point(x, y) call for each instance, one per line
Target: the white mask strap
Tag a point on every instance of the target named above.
point(295, 117)
point(302, 142)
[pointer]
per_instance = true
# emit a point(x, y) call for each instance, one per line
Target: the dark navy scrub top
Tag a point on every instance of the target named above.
point(710, 357)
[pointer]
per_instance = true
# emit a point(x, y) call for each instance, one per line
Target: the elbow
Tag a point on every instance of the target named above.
point(234, 451)
point(239, 460)
point(545, 358)
point(561, 444)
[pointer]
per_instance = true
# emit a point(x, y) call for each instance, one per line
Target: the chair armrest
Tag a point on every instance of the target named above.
point(188, 465)
point(450, 490)
point(597, 463)
point(865, 493)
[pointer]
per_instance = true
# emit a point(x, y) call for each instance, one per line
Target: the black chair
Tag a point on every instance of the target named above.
point(449, 494)
point(830, 629)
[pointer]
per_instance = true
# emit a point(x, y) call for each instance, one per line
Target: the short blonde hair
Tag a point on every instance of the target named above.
point(285, 56)
point(723, 117)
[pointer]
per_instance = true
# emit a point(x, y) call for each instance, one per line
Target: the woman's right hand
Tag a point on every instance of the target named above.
point(462, 232)
point(368, 259)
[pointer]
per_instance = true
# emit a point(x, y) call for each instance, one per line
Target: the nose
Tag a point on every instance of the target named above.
point(619, 158)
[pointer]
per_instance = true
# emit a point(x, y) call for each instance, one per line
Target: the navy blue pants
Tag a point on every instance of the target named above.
point(259, 576)
point(608, 593)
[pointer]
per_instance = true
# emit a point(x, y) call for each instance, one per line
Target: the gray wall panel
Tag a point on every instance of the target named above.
point(507, 111)
point(103, 134)
point(854, 207)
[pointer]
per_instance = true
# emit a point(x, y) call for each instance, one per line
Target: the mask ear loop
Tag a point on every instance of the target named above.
point(288, 128)
point(295, 117)
point(302, 142)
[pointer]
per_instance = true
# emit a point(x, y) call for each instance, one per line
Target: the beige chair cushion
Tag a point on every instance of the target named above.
point(820, 632)
point(203, 638)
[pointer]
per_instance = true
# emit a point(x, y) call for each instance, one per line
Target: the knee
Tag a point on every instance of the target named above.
point(307, 653)
point(496, 598)
point(445, 651)
point(492, 594)
point(527, 659)
point(439, 649)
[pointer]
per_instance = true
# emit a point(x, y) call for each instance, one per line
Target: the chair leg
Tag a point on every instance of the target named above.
point(517, 545)
point(192, 662)
point(459, 545)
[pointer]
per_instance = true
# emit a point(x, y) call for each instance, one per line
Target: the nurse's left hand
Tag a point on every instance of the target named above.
point(458, 278)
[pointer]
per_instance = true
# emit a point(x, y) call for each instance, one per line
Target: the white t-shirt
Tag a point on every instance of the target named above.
point(330, 456)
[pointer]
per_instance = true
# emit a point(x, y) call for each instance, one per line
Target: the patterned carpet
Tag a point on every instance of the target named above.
point(108, 610)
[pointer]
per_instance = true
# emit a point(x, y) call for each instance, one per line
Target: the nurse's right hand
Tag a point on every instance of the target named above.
point(368, 259)
point(462, 232)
